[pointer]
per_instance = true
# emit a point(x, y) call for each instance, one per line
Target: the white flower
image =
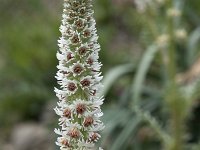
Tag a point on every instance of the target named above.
point(94, 136)
point(60, 93)
point(63, 68)
point(58, 131)
point(77, 68)
point(83, 50)
point(79, 78)
point(142, 5)
point(86, 145)
point(180, 34)
point(162, 40)
point(97, 127)
point(80, 107)
point(86, 82)
point(173, 12)
point(70, 86)
point(58, 111)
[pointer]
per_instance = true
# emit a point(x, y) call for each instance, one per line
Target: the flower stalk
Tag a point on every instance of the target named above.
point(79, 78)
point(166, 32)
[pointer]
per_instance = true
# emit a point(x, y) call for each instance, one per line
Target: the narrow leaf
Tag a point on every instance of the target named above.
point(127, 132)
point(113, 75)
point(142, 71)
point(193, 41)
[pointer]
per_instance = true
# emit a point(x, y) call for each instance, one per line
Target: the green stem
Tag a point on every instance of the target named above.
point(171, 51)
point(177, 145)
point(173, 99)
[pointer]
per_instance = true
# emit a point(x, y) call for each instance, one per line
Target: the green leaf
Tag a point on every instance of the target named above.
point(113, 75)
point(193, 91)
point(128, 131)
point(142, 71)
point(112, 120)
point(195, 146)
point(192, 45)
point(155, 125)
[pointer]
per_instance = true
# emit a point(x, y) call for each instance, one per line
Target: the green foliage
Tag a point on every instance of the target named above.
point(193, 45)
point(142, 71)
point(155, 97)
point(28, 46)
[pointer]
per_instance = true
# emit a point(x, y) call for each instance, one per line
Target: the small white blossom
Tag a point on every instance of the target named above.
point(162, 40)
point(181, 34)
point(161, 2)
point(142, 5)
point(173, 12)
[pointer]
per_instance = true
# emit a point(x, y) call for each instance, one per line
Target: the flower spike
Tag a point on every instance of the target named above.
point(79, 78)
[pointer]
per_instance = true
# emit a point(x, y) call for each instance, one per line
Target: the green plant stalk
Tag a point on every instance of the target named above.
point(154, 124)
point(174, 99)
point(177, 117)
point(177, 145)
point(170, 65)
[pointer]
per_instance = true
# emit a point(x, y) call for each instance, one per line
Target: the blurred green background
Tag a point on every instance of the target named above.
point(28, 45)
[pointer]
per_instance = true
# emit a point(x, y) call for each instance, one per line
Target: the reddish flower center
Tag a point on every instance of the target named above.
point(88, 121)
point(68, 31)
point(75, 39)
point(67, 113)
point(82, 50)
point(71, 15)
point(75, 4)
point(74, 133)
point(82, 11)
point(94, 137)
point(69, 56)
point(86, 33)
point(80, 108)
point(71, 86)
point(90, 61)
point(65, 142)
point(85, 82)
point(79, 24)
point(78, 69)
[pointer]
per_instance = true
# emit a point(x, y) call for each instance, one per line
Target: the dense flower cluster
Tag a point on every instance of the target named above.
point(79, 78)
